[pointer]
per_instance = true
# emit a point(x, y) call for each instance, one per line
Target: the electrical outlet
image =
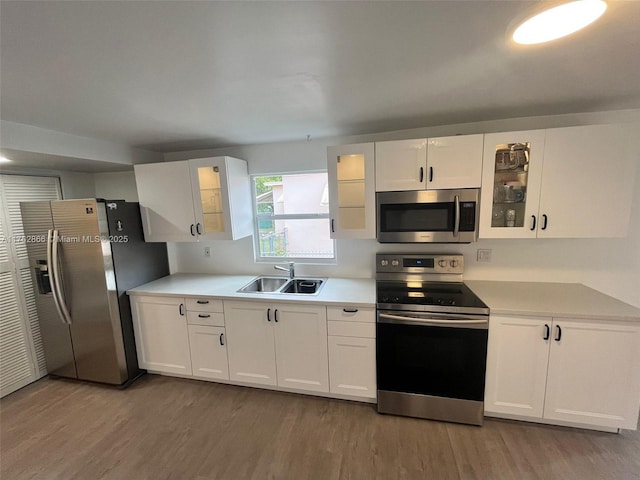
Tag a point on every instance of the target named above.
point(207, 251)
point(484, 255)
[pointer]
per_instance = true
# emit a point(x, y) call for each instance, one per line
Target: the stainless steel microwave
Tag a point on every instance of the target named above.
point(428, 216)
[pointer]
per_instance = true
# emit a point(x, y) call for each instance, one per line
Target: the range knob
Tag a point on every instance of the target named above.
point(395, 263)
point(384, 263)
point(442, 263)
point(454, 263)
point(384, 299)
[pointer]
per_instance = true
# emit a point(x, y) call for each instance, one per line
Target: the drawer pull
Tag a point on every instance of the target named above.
point(350, 310)
point(202, 315)
point(203, 302)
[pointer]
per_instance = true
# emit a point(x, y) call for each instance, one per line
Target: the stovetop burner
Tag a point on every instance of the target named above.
point(424, 283)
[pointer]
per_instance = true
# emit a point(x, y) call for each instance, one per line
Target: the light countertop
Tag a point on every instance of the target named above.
point(569, 300)
point(352, 291)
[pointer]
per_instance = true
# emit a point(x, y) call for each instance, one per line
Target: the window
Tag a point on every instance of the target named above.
point(292, 217)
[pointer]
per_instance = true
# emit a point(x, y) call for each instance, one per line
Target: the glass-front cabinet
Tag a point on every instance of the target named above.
point(351, 172)
point(511, 179)
point(221, 198)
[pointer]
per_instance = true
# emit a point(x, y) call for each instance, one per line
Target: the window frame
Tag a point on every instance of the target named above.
point(257, 218)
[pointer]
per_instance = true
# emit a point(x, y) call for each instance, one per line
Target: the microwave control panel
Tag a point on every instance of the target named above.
point(402, 263)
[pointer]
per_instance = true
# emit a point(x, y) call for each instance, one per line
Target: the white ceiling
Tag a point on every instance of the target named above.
point(179, 75)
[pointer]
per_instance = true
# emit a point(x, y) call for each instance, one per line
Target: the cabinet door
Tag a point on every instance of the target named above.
point(210, 198)
point(454, 162)
point(352, 366)
point(511, 177)
point(250, 349)
point(166, 203)
point(593, 373)
point(162, 339)
point(352, 200)
point(401, 165)
point(301, 347)
point(221, 198)
point(588, 181)
point(517, 356)
point(208, 352)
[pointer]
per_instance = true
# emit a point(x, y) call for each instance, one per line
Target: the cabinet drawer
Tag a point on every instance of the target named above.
point(204, 304)
point(205, 318)
point(351, 329)
point(352, 314)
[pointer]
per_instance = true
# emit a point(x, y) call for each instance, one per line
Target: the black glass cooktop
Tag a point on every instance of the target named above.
point(427, 293)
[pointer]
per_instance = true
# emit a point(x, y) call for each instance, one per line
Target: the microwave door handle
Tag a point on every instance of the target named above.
point(456, 218)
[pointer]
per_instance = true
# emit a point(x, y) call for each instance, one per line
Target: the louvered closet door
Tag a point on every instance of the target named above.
point(21, 353)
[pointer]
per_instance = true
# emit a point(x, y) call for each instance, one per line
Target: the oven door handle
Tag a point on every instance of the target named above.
point(434, 322)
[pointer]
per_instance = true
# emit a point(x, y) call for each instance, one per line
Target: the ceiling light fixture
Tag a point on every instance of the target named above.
point(559, 21)
point(4, 159)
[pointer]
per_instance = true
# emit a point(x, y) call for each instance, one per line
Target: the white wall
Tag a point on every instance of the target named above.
point(116, 186)
point(609, 265)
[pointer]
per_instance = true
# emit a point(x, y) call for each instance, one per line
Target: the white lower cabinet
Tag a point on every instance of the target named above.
point(160, 329)
point(208, 352)
point(352, 351)
point(579, 371)
point(278, 344)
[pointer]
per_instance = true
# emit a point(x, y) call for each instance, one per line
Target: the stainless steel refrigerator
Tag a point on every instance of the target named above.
point(84, 255)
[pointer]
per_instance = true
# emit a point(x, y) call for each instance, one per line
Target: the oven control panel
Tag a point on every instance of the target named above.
point(417, 263)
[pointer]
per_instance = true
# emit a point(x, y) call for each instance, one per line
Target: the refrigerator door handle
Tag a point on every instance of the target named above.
point(54, 291)
point(54, 265)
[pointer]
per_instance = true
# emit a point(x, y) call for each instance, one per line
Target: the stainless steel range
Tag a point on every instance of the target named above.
point(431, 339)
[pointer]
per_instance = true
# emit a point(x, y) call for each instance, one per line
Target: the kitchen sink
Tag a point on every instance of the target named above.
point(303, 286)
point(264, 284)
point(283, 285)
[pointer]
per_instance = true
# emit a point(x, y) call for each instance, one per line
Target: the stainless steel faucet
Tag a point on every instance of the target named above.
point(291, 269)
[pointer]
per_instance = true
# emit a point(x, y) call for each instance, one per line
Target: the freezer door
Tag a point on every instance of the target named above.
point(89, 290)
point(56, 337)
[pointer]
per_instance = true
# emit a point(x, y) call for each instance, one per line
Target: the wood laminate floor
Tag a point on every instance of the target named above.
point(170, 428)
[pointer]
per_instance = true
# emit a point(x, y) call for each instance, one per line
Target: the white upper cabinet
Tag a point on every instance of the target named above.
point(352, 200)
point(166, 202)
point(573, 182)
point(401, 165)
point(434, 163)
point(588, 179)
point(511, 176)
point(454, 162)
point(191, 200)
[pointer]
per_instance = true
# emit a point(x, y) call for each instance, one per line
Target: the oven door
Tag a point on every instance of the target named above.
point(439, 216)
point(438, 355)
